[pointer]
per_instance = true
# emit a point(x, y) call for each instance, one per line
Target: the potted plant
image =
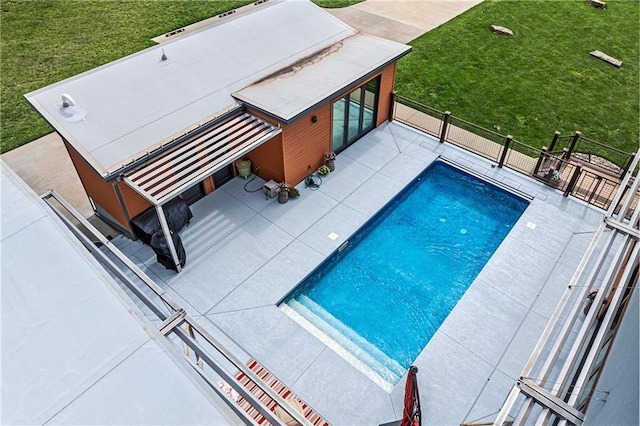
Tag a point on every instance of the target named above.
point(244, 167)
point(294, 193)
point(324, 170)
point(330, 160)
point(283, 193)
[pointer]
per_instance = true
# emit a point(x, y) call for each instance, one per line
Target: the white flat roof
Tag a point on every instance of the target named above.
point(129, 107)
point(75, 350)
point(314, 79)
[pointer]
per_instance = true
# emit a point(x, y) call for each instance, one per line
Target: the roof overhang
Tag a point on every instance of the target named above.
point(290, 93)
point(178, 170)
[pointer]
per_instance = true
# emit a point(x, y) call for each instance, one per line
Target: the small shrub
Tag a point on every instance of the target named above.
point(323, 170)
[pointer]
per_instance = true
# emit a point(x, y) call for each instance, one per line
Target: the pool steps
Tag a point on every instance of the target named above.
point(378, 366)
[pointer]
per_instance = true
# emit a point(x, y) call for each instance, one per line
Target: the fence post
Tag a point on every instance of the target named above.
point(572, 181)
point(556, 135)
point(574, 141)
point(392, 106)
point(445, 124)
point(503, 155)
point(616, 210)
point(543, 155)
point(626, 167)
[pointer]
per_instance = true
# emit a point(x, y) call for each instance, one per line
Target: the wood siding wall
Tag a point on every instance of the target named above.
point(133, 202)
point(267, 160)
point(208, 185)
point(387, 83)
point(101, 192)
point(299, 149)
point(305, 142)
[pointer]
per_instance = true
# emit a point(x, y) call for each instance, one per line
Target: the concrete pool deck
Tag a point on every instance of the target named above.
point(246, 252)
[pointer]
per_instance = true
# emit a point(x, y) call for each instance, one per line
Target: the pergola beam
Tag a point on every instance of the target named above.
point(182, 186)
point(176, 171)
point(167, 235)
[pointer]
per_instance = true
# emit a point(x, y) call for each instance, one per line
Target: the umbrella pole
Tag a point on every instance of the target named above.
point(411, 414)
point(417, 411)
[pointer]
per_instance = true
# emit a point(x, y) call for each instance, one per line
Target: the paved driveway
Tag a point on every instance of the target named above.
point(401, 20)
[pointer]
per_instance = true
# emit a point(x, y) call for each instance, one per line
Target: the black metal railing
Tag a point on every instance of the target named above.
point(593, 153)
point(568, 164)
point(521, 157)
point(422, 117)
point(474, 138)
point(594, 189)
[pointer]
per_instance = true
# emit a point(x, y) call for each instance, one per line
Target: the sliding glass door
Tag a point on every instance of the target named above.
point(354, 114)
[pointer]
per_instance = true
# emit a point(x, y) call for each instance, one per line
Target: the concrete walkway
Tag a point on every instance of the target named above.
point(44, 163)
point(402, 20)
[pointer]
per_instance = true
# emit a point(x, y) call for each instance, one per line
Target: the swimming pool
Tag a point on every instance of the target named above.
point(380, 298)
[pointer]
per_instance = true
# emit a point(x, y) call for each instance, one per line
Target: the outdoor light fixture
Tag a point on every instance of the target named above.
point(314, 119)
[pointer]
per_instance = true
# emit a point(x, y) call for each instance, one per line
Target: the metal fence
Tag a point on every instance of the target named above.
point(593, 176)
point(471, 137)
point(422, 117)
point(522, 158)
point(594, 189)
point(593, 153)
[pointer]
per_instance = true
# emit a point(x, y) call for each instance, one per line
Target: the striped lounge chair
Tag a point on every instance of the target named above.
point(304, 408)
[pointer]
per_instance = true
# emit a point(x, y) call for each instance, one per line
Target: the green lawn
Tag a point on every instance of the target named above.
point(538, 81)
point(333, 4)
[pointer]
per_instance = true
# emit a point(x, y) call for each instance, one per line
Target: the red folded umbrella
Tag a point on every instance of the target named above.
point(411, 414)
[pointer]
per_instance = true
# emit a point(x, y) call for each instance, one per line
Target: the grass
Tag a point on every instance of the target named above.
point(538, 81)
point(332, 4)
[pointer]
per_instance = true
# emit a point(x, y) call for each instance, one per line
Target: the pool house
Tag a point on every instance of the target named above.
point(278, 83)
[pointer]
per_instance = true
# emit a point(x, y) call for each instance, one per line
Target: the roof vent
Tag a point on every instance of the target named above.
point(67, 101)
point(69, 110)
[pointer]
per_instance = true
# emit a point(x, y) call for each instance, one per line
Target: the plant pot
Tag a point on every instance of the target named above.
point(283, 197)
point(244, 168)
point(331, 164)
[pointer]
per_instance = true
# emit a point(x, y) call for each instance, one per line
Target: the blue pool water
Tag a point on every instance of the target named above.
point(380, 299)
